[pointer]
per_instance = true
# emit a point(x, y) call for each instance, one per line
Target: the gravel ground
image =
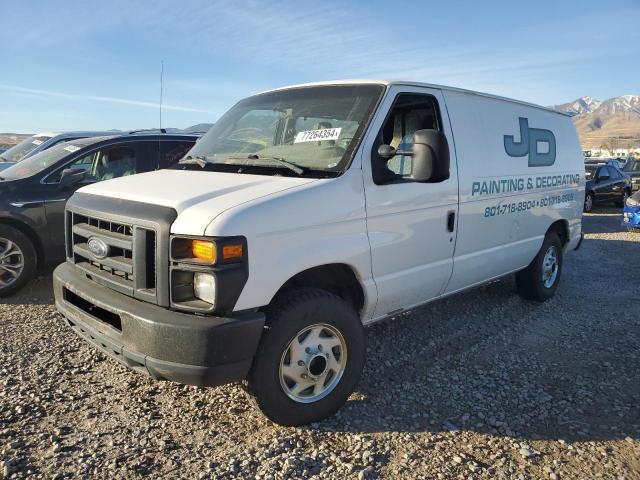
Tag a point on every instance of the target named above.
point(480, 385)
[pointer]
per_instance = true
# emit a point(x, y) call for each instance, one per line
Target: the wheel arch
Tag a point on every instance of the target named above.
point(30, 233)
point(561, 227)
point(337, 278)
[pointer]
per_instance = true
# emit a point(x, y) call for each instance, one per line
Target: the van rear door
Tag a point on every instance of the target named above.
point(411, 225)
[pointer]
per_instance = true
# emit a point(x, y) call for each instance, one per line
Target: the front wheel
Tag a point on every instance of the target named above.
point(17, 260)
point(540, 279)
point(309, 359)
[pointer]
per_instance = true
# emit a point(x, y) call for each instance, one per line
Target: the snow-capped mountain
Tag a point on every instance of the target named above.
point(605, 124)
point(579, 106)
point(625, 103)
point(612, 106)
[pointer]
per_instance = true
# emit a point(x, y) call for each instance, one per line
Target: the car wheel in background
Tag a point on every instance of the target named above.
point(309, 359)
point(540, 279)
point(17, 260)
point(588, 202)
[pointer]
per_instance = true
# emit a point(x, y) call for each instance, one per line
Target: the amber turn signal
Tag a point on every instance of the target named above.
point(231, 252)
point(204, 250)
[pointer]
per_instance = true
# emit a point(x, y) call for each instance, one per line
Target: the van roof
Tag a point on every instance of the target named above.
point(410, 83)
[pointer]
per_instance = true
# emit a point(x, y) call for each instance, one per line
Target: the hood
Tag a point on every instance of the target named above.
point(197, 196)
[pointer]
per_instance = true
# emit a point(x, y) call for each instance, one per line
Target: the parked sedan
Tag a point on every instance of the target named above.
point(632, 168)
point(40, 142)
point(33, 193)
point(631, 212)
point(605, 183)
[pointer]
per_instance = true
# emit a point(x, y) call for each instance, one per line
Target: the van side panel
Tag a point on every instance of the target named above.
point(512, 186)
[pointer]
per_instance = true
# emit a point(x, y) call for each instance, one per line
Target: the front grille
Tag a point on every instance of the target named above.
point(129, 263)
point(136, 262)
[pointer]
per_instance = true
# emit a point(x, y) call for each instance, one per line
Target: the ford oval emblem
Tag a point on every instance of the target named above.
point(98, 248)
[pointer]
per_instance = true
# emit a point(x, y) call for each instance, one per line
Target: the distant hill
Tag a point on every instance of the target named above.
point(10, 139)
point(606, 124)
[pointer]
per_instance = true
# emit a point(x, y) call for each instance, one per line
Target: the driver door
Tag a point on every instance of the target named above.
point(411, 226)
point(604, 184)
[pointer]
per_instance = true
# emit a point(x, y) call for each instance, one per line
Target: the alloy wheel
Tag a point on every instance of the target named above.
point(11, 262)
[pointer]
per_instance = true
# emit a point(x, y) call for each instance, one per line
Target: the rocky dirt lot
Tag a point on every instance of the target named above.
point(481, 385)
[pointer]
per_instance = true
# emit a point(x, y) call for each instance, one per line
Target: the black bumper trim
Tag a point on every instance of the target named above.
point(185, 348)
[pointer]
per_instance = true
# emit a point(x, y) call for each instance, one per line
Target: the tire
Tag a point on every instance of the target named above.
point(17, 260)
point(625, 194)
point(308, 315)
point(540, 279)
point(588, 202)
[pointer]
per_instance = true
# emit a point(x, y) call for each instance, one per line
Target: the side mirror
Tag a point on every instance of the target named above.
point(430, 156)
point(71, 176)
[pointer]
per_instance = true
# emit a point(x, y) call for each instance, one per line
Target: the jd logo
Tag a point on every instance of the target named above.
point(539, 144)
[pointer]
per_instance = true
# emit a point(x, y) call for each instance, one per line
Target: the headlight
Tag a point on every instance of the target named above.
point(207, 274)
point(204, 251)
point(204, 287)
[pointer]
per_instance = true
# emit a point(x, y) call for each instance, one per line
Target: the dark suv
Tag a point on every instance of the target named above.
point(33, 193)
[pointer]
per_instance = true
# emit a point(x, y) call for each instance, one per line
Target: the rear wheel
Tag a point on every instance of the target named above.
point(588, 202)
point(17, 260)
point(540, 279)
point(309, 359)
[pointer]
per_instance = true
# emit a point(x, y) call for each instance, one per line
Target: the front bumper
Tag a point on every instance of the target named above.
point(166, 345)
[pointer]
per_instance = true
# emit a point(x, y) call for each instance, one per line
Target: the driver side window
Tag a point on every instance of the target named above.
point(104, 164)
point(410, 113)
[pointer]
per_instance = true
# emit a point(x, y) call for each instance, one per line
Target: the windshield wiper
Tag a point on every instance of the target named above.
point(199, 160)
point(279, 160)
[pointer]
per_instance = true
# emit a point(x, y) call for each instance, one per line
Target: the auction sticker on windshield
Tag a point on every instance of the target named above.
point(72, 148)
point(317, 135)
point(37, 142)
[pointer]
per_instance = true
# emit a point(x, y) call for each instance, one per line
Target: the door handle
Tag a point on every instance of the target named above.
point(451, 221)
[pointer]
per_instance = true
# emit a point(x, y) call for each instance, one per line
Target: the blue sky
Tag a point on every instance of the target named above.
point(96, 64)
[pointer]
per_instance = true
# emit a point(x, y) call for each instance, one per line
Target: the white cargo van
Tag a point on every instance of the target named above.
point(307, 212)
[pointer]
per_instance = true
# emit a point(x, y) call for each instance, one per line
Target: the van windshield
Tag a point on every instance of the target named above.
point(22, 149)
point(308, 130)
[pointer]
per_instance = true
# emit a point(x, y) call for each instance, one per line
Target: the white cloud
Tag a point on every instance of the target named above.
point(98, 98)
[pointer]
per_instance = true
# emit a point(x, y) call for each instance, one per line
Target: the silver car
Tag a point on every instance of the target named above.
point(42, 141)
